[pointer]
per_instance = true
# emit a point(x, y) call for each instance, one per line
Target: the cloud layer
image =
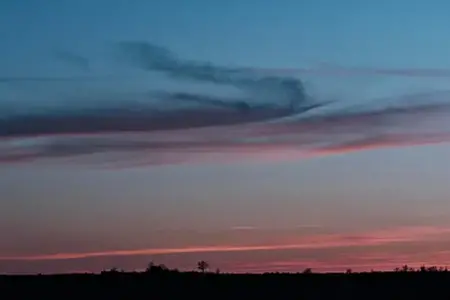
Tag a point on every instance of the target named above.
point(320, 134)
point(378, 249)
point(251, 126)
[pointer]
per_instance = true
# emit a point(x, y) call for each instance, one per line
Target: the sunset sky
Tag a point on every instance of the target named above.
point(375, 201)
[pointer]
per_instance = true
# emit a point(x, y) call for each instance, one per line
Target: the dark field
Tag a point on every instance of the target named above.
point(197, 285)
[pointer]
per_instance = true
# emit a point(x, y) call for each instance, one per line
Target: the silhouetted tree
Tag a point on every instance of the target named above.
point(348, 271)
point(202, 266)
point(307, 271)
point(406, 268)
point(152, 268)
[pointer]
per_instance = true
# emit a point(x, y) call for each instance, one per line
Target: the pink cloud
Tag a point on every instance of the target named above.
point(333, 133)
point(318, 241)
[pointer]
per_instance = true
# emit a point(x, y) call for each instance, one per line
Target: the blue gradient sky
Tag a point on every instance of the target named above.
point(45, 210)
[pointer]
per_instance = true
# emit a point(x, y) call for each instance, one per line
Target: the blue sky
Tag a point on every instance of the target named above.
point(288, 34)
point(76, 210)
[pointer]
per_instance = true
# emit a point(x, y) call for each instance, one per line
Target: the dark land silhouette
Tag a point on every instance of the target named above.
point(159, 282)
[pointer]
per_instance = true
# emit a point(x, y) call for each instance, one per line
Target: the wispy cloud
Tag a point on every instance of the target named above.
point(148, 134)
point(317, 241)
point(310, 136)
point(156, 58)
point(308, 226)
point(153, 57)
point(8, 79)
point(333, 69)
point(281, 96)
point(244, 228)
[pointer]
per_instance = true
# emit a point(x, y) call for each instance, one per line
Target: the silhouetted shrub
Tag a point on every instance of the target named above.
point(156, 269)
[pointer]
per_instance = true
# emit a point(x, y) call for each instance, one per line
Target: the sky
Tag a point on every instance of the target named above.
point(335, 190)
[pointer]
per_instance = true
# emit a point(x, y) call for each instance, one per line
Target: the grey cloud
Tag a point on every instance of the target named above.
point(156, 58)
point(339, 132)
point(133, 118)
point(108, 129)
point(107, 118)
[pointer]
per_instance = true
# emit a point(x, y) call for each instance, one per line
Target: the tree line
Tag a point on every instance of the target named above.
point(204, 266)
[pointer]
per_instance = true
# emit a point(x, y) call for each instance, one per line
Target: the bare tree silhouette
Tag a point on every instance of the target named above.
point(202, 266)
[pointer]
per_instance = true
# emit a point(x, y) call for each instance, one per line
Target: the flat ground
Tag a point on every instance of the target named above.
point(177, 285)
